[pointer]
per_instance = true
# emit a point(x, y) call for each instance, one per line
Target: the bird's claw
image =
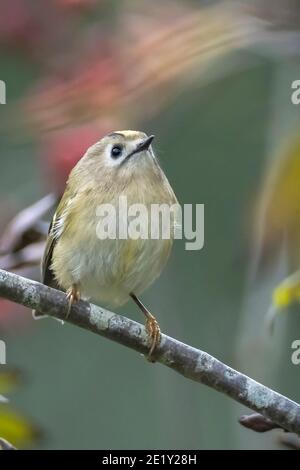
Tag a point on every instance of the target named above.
point(153, 330)
point(73, 295)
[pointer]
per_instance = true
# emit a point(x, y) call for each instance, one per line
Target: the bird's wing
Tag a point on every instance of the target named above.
point(47, 273)
point(55, 231)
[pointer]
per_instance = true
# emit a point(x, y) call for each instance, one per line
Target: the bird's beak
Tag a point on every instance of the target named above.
point(144, 145)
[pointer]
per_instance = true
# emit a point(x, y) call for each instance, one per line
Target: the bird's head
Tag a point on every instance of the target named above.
point(121, 153)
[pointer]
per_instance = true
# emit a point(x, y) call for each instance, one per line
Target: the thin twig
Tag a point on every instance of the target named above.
point(26, 220)
point(5, 445)
point(186, 360)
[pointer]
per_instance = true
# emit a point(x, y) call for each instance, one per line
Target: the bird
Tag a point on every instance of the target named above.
point(109, 271)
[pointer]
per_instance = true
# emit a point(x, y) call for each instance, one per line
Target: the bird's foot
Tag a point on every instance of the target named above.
point(73, 295)
point(153, 330)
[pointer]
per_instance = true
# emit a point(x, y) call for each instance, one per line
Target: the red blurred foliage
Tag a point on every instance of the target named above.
point(76, 4)
point(61, 150)
point(42, 30)
point(129, 66)
point(17, 25)
point(78, 91)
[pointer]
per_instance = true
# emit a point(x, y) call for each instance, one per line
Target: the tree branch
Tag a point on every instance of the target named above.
point(186, 360)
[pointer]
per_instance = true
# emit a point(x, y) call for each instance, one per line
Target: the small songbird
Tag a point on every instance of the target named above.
point(109, 271)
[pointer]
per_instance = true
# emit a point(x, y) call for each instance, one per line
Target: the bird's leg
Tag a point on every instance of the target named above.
point(152, 326)
point(73, 295)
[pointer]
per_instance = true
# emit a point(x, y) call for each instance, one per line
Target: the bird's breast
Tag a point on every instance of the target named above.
point(108, 269)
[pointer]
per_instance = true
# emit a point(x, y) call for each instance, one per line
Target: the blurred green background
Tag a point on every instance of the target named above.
point(215, 137)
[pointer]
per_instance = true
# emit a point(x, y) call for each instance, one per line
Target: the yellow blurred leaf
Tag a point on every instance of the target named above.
point(15, 428)
point(287, 292)
point(278, 210)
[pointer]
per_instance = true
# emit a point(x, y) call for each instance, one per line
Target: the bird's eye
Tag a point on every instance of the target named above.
point(116, 151)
